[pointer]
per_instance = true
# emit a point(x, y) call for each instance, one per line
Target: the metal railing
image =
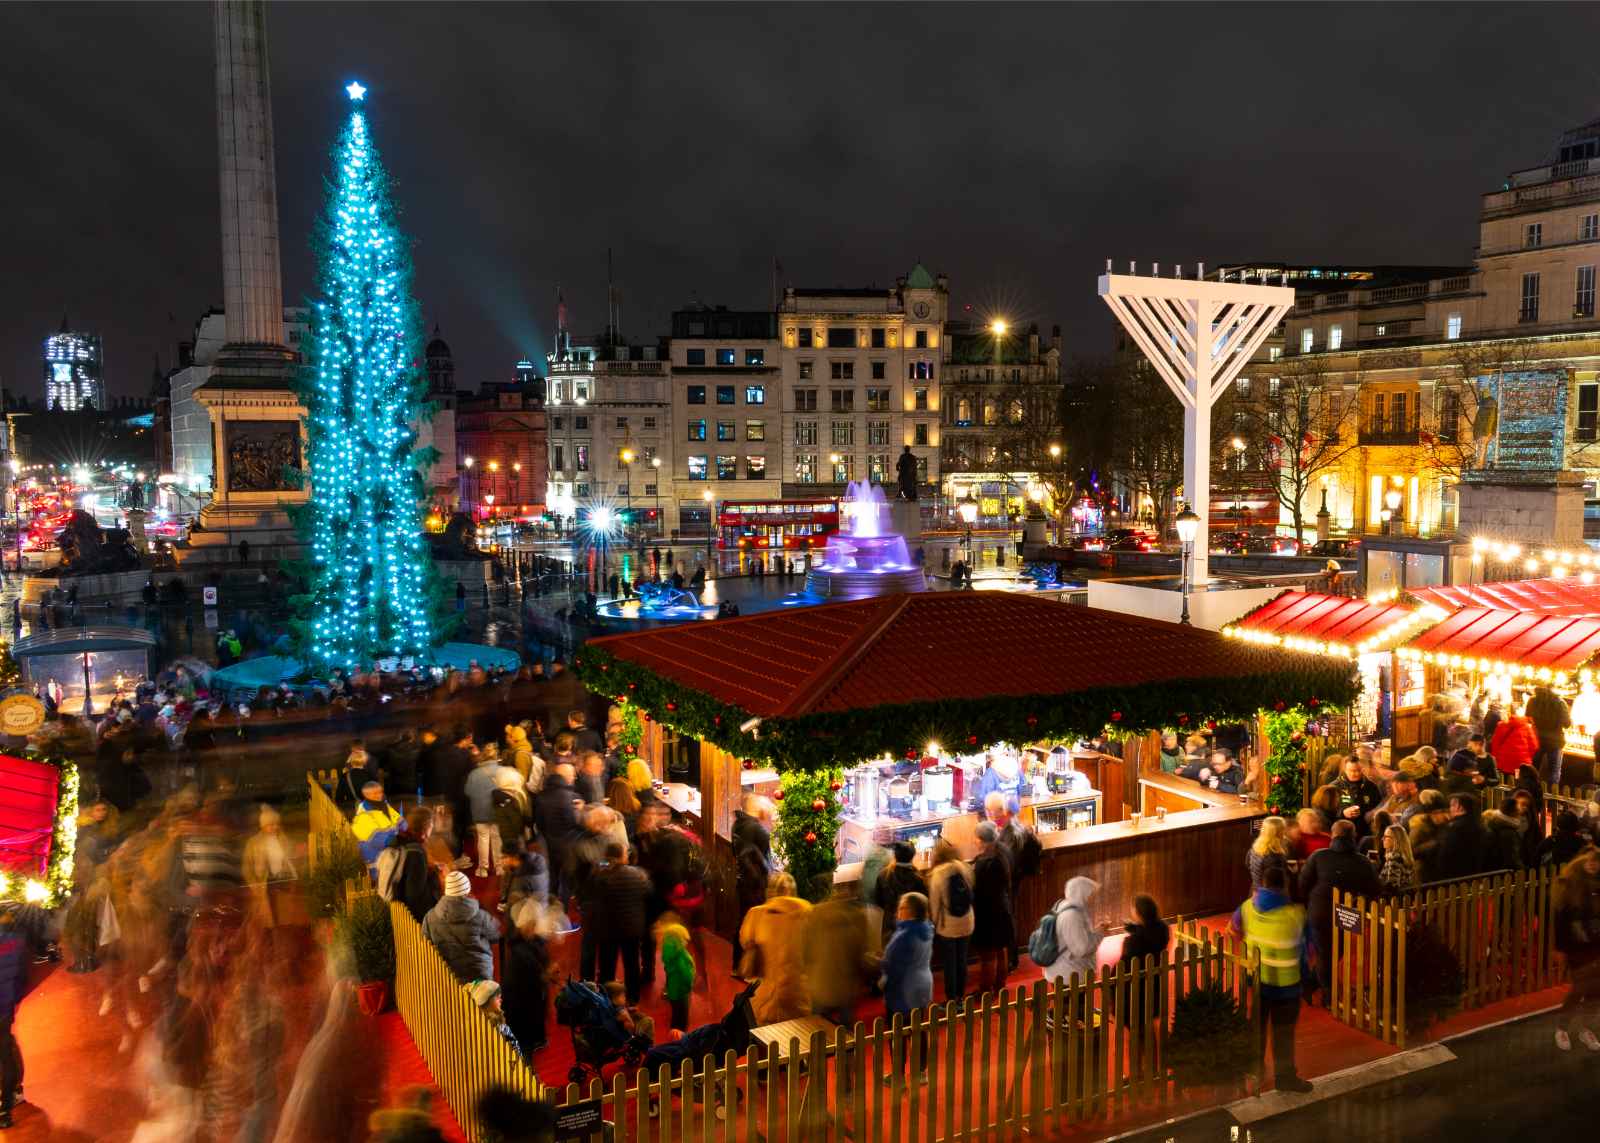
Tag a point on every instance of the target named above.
point(1391, 430)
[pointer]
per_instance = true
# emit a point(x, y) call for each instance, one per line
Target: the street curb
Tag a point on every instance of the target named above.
point(1274, 1103)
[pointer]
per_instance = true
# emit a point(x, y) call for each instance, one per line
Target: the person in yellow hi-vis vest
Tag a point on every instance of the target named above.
point(1273, 925)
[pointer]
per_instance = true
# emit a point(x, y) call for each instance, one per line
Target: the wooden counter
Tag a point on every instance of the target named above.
point(1175, 795)
point(1191, 863)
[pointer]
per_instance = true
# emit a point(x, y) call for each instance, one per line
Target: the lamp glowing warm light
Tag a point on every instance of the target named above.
point(627, 456)
point(997, 326)
point(1188, 525)
point(706, 496)
point(969, 511)
point(35, 892)
point(601, 519)
point(1055, 452)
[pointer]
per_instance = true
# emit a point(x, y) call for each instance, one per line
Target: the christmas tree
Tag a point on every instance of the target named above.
point(371, 570)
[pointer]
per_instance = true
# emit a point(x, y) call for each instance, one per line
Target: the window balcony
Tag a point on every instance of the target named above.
point(1391, 430)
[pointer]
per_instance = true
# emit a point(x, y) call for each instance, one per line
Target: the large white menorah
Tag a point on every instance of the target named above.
point(1198, 335)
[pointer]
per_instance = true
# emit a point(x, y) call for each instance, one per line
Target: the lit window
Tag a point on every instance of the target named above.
point(727, 468)
point(1452, 327)
point(697, 467)
point(725, 357)
point(920, 396)
point(755, 394)
point(755, 357)
point(1274, 384)
point(727, 431)
point(1583, 299)
point(1335, 336)
point(805, 370)
point(697, 430)
point(805, 468)
point(724, 394)
point(755, 430)
point(755, 468)
point(582, 452)
point(1306, 339)
point(1274, 352)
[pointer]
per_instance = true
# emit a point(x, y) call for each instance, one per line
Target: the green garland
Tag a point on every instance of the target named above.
point(819, 741)
point(631, 734)
point(1286, 760)
point(807, 828)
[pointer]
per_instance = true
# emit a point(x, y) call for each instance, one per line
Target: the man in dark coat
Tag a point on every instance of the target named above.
point(1338, 867)
point(1550, 718)
point(555, 814)
point(994, 928)
point(1358, 795)
point(1463, 847)
point(620, 896)
point(400, 764)
point(752, 857)
point(433, 760)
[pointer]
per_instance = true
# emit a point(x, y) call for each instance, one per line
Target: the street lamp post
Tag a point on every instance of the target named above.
point(968, 508)
point(655, 476)
point(1055, 492)
point(711, 522)
point(627, 456)
point(1188, 523)
point(472, 510)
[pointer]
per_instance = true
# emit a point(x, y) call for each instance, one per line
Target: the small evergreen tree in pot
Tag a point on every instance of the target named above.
point(1211, 1041)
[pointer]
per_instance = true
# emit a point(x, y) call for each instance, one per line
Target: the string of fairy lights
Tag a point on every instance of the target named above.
point(1555, 562)
point(370, 571)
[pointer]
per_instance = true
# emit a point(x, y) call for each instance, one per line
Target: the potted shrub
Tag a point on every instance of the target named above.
point(1211, 1042)
point(364, 951)
point(325, 884)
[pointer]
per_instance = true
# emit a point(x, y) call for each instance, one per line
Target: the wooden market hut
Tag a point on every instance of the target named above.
point(810, 688)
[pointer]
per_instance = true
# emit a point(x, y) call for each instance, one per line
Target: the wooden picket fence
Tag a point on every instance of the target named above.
point(1025, 1061)
point(324, 819)
point(462, 1049)
point(1500, 928)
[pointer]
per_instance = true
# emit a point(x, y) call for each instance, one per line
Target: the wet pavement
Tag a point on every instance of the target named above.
point(1505, 1083)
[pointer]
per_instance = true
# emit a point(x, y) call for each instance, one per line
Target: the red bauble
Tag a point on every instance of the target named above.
point(672, 706)
point(716, 720)
point(633, 686)
point(972, 740)
point(836, 786)
point(748, 763)
point(1277, 779)
point(1211, 724)
point(1313, 703)
point(1183, 720)
point(811, 837)
point(777, 795)
point(1278, 705)
point(1116, 716)
point(818, 805)
point(911, 755)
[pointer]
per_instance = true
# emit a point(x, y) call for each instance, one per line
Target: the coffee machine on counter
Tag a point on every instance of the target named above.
point(862, 784)
point(939, 789)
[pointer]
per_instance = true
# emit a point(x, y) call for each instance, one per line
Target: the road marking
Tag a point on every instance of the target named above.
point(1257, 1108)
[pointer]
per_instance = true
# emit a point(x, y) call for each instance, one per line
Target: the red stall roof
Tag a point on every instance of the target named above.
point(1567, 595)
point(1529, 639)
point(929, 648)
point(1345, 623)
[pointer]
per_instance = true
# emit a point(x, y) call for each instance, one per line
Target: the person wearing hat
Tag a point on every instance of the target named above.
point(462, 932)
point(375, 821)
point(486, 995)
point(1401, 804)
point(268, 868)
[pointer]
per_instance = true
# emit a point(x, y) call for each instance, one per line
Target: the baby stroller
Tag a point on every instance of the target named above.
point(598, 1037)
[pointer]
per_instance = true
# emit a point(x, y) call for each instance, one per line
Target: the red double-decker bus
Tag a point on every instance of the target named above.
point(775, 524)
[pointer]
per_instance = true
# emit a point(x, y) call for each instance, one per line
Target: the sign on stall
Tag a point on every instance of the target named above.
point(211, 619)
point(578, 1120)
point(1347, 918)
point(208, 596)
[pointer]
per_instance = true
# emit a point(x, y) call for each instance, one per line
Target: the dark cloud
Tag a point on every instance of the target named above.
point(1013, 148)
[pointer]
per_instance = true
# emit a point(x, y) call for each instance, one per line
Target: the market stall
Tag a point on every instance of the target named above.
point(1506, 654)
point(96, 663)
point(867, 687)
point(1356, 629)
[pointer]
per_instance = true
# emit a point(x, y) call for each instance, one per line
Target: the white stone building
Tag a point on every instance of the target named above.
point(860, 380)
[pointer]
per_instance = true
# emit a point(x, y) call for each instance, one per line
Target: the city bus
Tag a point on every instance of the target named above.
point(775, 524)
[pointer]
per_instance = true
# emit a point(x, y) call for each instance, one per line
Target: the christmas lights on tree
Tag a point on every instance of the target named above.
point(370, 564)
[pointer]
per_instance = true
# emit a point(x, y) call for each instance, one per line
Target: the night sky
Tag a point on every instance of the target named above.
point(1013, 148)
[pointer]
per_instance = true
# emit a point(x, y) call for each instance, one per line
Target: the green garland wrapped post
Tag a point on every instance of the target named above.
point(808, 827)
point(631, 735)
point(1285, 764)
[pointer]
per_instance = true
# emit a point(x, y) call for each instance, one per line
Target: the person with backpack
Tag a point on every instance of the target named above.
point(994, 930)
point(404, 872)
point(1068, 932)
point(950, 894)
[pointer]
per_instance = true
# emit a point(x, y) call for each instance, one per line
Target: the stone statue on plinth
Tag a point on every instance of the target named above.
point(905, 470)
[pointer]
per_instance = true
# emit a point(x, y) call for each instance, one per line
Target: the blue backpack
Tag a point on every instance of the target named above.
point(1042, 948)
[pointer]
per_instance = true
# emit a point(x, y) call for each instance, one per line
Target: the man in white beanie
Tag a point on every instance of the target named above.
point(462, 932)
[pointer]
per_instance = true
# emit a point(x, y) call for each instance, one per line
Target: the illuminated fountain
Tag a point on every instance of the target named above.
point(864, 557)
